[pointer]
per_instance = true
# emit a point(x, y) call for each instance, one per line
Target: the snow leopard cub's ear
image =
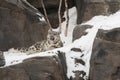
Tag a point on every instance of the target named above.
point(49, 31)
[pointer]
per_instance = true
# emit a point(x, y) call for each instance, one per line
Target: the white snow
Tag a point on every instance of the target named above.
point(106, 22)
point(13, 58)
point(84, 43)
point(72, 23)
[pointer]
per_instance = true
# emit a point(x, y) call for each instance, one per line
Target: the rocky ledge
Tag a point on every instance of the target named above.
point(37, 68)
point(19, 27)
point(105, 59)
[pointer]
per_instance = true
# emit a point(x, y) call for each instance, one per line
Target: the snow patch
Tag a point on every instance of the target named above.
point(72, 23)
point(105, 22)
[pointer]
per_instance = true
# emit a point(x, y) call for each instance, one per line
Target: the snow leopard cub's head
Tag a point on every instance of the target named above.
point(53, 37)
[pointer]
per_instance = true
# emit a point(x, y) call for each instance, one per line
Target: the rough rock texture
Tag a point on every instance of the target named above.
point(2, 60)
point(18, 27)
point(51, 8)
point(86, 9)
point(91, 8)
point(37, 68)
point(105, 63)
point(79, 31)
point(110, 35)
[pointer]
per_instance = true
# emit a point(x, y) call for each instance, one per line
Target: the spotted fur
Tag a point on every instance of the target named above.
point(53, 41)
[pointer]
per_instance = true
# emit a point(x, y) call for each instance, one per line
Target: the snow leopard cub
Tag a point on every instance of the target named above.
point(53, 41)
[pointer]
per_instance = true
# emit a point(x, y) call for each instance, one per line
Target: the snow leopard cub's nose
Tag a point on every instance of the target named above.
point(52, 38)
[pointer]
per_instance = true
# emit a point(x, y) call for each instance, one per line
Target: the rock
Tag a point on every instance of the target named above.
point(79, 31)
point(44, 68)
point(36, 68)
point(13, 73)
point(79, 75)
point(96, 7)
point(62, 58)
point(2, 60)
point(110, 35)
point(80, 61)
point(76, 49)
point(105, 63)
point(19, 27)
point(51, 8)
point(86, 9)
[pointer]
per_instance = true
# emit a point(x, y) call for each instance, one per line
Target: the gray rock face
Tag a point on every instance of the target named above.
point(2, 60)
point(37, 68)
point(97, 7)
point(86, 9)
point(51, 8)
point(105, 63)
point(110, 35)
point(19, 27)
point(80, 30)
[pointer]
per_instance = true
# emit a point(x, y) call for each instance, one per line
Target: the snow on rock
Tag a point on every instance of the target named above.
point(72, 23)
point(106, 22)
point(13, 58)
point(84, 43)
point(16, 57)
